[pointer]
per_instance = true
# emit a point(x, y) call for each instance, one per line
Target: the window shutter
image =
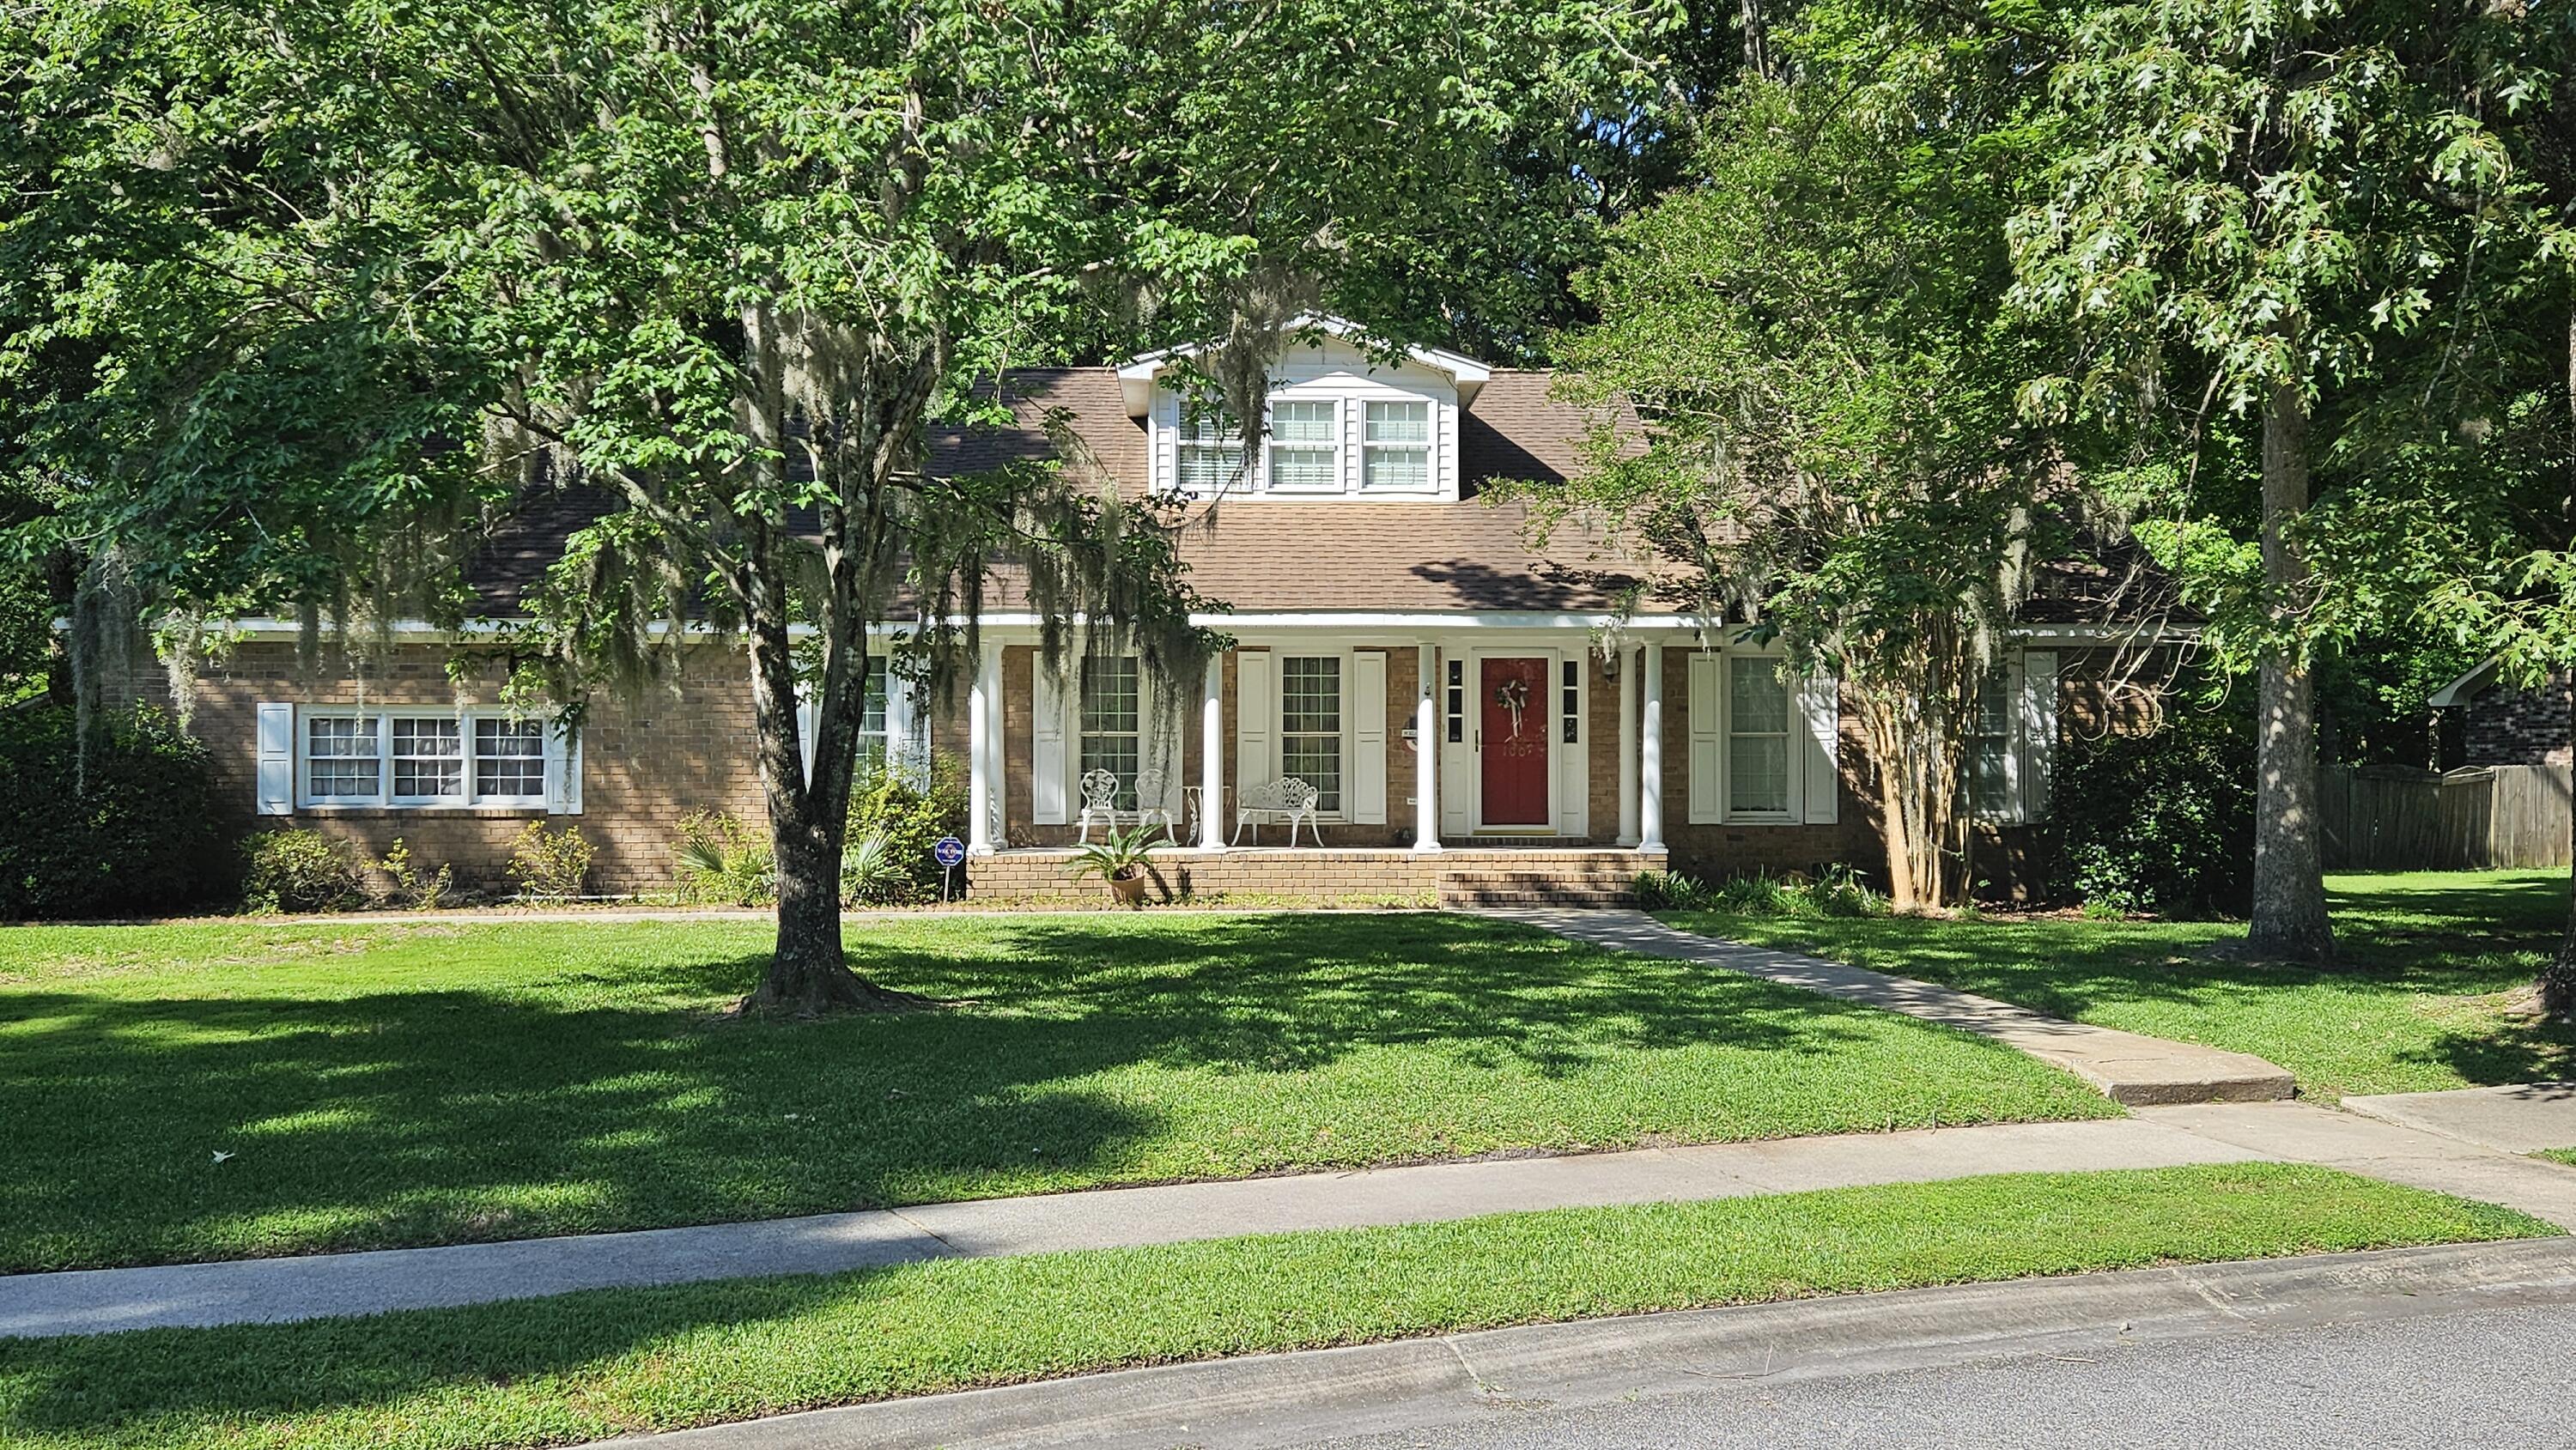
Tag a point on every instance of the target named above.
point(1047, 700)
point(563, 771)
point(1165, 723)
point(1255, 721)
point(1820, 704)
point(1368, 739)
point(2034, 734)
point(907, 731)
point(276, 770)
point(1706, 763)
point(809, 719)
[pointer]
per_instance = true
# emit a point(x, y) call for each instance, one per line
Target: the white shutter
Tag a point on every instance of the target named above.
point(563, 771)
point(1047, 700)
point(1368, 739)
point(2034, 739)
point(1165, 723)
point(1255, 707)
point(809, 720)
point(907, 730)
point(1706, 761)
point(1820, 705)
point(276, 770)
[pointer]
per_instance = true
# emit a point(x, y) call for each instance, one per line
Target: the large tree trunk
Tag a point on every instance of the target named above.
point(2289, 875)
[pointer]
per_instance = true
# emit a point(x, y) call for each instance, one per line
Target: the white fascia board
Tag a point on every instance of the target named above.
point(1136, 376)
point(2464, 689)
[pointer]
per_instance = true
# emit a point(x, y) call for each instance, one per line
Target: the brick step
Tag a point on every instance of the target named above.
point(1510, 888)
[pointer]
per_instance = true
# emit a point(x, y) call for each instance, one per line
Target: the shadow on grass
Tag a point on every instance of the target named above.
point(1070, 1053)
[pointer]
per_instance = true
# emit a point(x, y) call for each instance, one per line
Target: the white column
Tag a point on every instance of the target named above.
point(1426, 748)
point(1629, 670)
point(982, 751)
point(1212, 756)
point(1650, 756)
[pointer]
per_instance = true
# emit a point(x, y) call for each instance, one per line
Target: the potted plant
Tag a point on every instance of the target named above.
point(1119, 859)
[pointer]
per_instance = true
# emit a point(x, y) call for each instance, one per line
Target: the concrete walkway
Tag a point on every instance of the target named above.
point(2127, 1068)
point(2524, 1118)
point(273, 1290)
point(2307, 1133)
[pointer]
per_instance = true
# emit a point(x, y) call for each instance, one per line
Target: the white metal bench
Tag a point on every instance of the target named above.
point(1100, 803)
point(1286, 798)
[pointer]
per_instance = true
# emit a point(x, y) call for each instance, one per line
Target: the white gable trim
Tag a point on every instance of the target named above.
point(1137, 375)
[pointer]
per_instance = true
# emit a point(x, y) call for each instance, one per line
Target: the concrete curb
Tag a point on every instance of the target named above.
point(2127, 1068)
point(1420, 1384)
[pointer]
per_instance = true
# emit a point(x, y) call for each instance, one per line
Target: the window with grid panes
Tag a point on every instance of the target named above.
point(1395, 452)
point(509, 758)
point(1209, 452)
point(1757, 737)
point(428, 757)
point(340, 758)
point(1989, 747)
point(1112, 720)
point(1310, 725)
point(1305, 446)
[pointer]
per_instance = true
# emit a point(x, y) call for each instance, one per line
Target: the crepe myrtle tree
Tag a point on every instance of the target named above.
point(319, 289)
point(1813, 341)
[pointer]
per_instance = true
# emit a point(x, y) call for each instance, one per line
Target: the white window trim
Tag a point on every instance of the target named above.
point(1271, 444)
point(1429, 448)
point(384, 799)
point(1280, 655)
point(1793, 810)
point(1078, 733)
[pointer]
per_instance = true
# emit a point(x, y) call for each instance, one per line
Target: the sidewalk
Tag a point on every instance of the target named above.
point(2127, 1068)
point(2524, 1118)
point(94, 1301)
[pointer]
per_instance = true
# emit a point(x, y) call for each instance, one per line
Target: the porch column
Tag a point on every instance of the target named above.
point(981, 698)
point(1426, 747)
point(1650, 756)
point(1212, 756)
point(1629, 669)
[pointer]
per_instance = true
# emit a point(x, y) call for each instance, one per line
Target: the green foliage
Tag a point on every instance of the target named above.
point(143, 833)
point(723, 862)
point(909, 813)
point(2160, 823)
point(550, 865)
point(872, 876)
point(413, 887)
point(1833, 890)
point(1117, 855)
point(300, 869)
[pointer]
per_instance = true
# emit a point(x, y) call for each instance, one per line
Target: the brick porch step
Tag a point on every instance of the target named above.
point(1536, 888)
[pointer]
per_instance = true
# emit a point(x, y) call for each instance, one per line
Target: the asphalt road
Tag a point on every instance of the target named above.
point(2499, 1379)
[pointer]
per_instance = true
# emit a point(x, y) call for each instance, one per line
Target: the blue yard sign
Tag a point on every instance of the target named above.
point(949, 851)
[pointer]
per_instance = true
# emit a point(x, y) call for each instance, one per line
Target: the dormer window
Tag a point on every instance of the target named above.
point(1209, 451)
point(1305, 447)
point(1396, 451)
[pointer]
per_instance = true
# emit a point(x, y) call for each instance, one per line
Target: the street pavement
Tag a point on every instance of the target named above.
point(2489, 1378)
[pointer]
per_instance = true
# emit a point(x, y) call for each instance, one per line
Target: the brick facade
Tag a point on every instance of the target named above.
point(2504, 726)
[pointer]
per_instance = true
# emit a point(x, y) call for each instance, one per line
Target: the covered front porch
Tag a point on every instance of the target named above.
point(1463, 876)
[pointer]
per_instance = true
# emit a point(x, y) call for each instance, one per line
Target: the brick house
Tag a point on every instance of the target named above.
point(1479, 718)
point(2498, 724)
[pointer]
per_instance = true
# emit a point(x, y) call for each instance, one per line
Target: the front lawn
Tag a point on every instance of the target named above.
point(2417, 1006)
point(210, 1091)
point(584, 1366)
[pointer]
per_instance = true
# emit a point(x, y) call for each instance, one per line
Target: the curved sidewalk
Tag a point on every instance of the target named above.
point(97, 1301)
point(2127, 1068)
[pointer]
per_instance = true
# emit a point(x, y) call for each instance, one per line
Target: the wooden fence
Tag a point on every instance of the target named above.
point(2489, 816)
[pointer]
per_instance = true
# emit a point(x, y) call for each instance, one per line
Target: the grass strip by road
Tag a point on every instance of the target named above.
point(595, 1364)
point(2418, 1002)
point(229, 1090)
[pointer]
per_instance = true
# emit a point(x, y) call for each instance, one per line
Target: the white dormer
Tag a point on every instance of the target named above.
point(1341, 423)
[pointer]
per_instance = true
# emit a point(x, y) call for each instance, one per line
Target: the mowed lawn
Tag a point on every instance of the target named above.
point(581, 1366)
point(2417, 1003)
point(222, 1090)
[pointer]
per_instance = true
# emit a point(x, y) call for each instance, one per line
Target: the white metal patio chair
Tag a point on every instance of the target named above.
point(1285, 798)
point(1100, 803)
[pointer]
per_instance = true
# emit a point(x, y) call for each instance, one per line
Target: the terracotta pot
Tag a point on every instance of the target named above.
point(1128, 889)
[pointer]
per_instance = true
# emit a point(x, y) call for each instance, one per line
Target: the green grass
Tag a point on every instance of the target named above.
point(381, 1085)
point(612, 1361)
point(2558, 1155)
point(2417, 1004)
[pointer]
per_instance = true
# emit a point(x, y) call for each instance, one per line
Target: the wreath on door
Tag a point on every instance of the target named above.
point(1513, 696)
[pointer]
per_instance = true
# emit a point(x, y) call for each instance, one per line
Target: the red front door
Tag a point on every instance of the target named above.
point(1514, 744)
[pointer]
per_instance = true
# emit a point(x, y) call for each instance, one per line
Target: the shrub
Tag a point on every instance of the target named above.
point(411, 887)
point(297, 869)
point(911, 812)
point(550, 865)
point(1834, 890)
point(144, 833)
point(723, 862)
point(2160, 823)
point(871, 876)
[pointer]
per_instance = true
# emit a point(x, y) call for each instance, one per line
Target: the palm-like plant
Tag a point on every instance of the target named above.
point(870, 874)
point(1117, 857)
